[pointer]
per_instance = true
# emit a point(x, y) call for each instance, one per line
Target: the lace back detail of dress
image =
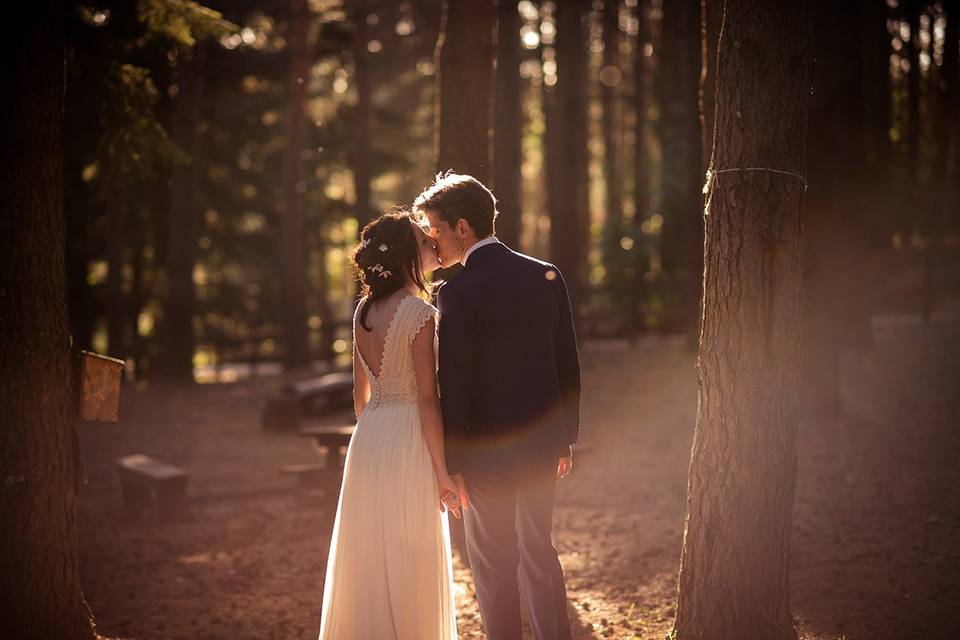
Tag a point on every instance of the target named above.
point(397, 382)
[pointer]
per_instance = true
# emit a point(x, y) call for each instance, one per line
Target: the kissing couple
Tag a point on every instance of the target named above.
point(468, 408)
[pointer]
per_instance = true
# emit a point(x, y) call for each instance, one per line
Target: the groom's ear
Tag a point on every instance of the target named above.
point(463, 228)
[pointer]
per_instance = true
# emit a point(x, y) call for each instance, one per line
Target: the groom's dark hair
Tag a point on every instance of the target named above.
point(456, 195)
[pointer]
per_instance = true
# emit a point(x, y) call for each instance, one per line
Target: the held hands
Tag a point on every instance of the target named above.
point(564, 467)
point(449, 496)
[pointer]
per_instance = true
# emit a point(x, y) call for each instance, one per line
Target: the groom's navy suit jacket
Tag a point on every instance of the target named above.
point(509, 371)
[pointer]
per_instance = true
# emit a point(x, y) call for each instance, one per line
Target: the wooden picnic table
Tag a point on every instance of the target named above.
point(331, 438)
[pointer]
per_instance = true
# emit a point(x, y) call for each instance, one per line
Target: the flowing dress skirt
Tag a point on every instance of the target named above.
point(389, 573)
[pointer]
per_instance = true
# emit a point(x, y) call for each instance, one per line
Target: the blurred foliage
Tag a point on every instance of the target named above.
point(128, 63)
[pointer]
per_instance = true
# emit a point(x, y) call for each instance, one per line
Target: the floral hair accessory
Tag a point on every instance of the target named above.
point(383, 248)
point(365, 243)
point(378, 268)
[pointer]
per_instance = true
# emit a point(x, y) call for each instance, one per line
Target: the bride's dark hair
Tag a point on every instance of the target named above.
point(387, 258)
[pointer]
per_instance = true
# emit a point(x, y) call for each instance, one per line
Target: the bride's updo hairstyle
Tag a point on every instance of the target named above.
point(387, 258)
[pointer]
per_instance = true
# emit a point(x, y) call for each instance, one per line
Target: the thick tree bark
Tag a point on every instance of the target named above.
point(569, 221)
point(682, 175)
point(293, 247)
point(734, 580)
point(611, 78)
point(362, 139)
point(509, 119)
point(184, 222)
point(641, 167)
point(464, 58)
point(39, 569)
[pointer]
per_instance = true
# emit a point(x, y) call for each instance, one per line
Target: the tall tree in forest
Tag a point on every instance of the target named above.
point(292, 240)
point(711, 15)
point(734, 579)
point(185, 219)
point(552, 128)
point(682, 175)
point(835, 307)
point(569, 222)
point(362, 138)
point(912, 10)
point(464, 62)
point(611, 77)
point(40, 576)
point(875, 61)
point(508, 119)
point(116, 218)
point(641, 165)
point(950, 214)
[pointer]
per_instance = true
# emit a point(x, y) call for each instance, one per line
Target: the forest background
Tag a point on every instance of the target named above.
point(220, 160)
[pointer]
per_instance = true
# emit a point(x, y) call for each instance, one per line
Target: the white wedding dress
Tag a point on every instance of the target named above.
point(389, 572)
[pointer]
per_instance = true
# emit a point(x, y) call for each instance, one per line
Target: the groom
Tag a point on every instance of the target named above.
point(509, 379)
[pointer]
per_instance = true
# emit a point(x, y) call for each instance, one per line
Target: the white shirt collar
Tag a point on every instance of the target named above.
point(481, 243)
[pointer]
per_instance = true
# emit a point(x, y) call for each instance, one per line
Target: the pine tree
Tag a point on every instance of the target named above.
point(734, 569)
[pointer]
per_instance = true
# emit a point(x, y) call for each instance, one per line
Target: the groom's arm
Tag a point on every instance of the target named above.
point(568, 365)
point(457, 336)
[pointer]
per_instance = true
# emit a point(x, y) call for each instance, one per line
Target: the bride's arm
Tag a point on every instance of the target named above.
point(431, 419)
point(361, 386)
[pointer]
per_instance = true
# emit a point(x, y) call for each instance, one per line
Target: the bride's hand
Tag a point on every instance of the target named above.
point(449, 495)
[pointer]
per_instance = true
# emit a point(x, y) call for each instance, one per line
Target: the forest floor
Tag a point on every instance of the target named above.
point(875, 547)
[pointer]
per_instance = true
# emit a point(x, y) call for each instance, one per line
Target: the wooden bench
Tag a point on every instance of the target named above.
point(145, 481)
point(330, 392)
point(332, 441)
point(283, 410)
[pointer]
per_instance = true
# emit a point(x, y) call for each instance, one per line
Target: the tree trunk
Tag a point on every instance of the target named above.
point(875, 60)
point(185, 221)
point(835, 306)
point(682, 177)
point(293, 248)
point(711, 15)
point(641, 168)
point(362, 139)
point(569, 221)
point(116, 219)
point(509, 130)
point(552, 162)
point(951, 77)
point(464, 57)
point(611, 77)
point(136, 230)
point(912, 9)
point(40, 577)
point(734, 564)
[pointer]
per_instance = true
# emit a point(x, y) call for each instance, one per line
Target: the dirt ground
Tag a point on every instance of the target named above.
point(875, 553)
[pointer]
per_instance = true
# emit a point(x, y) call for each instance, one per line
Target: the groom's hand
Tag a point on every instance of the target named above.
point(564, 466)
point(462, 483)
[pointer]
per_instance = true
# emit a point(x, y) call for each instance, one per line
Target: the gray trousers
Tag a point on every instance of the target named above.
point(508, 529)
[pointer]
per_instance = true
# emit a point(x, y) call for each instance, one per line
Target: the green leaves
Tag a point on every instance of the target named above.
point(135, 144)
point(182, 21)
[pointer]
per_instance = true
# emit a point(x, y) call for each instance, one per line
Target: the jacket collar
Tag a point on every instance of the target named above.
point(480, 253)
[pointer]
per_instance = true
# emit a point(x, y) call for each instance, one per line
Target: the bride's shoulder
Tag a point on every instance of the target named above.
point(421, 306)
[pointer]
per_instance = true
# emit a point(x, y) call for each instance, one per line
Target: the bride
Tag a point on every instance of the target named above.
point(389, 573)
